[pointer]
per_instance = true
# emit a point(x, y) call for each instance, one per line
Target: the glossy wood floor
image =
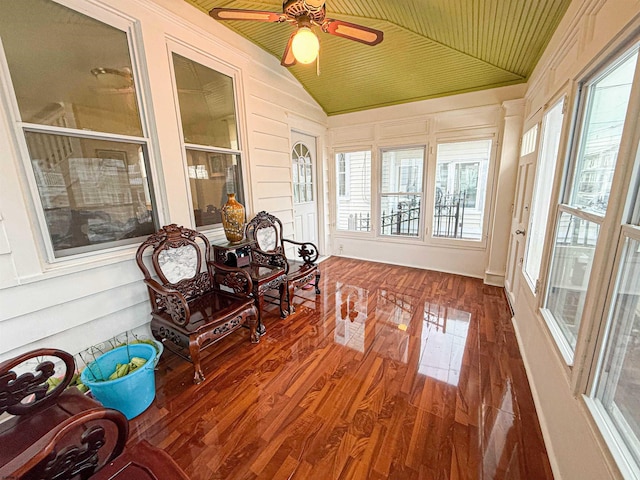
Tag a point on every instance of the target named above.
point(391, 372)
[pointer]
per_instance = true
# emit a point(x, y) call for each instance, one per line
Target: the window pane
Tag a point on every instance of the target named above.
point(211, 177)
point(207, 105)
point(354, 210)
point(400, 215)
point(600, 137)
point(402, 170)
point(460, 189)
point(95, 193)
point(570, 268)
point(545, 174)
point(84, 64)
point(303, 176)
point(619, 379)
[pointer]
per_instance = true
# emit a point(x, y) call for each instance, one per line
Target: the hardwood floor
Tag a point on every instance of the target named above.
point(392, 372)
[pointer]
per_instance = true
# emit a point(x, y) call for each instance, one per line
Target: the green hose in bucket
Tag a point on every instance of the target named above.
point(131, 394)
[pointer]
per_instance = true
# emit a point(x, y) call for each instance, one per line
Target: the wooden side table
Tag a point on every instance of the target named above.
point(264, 277)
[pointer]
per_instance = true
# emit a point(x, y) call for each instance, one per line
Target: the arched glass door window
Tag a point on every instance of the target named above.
point(302, 174)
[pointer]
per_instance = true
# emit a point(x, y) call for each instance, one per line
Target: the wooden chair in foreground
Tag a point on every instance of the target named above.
point(59, 433)
point(269, 249)
point(189, 309)
point(62, 434)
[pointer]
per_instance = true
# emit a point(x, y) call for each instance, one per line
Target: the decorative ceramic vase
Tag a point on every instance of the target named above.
point(233, 219)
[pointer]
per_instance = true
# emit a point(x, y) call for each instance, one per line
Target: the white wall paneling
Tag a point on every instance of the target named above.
point(81, 302)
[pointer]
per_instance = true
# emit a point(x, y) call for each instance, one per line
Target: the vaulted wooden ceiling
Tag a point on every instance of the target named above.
point(431, 48)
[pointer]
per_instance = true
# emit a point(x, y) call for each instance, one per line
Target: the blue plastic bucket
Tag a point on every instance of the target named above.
point(131, 394)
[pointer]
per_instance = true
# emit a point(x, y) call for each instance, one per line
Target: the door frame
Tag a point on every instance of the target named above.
point(311, 128)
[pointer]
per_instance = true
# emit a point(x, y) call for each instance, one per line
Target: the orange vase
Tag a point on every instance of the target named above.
point(233, 219)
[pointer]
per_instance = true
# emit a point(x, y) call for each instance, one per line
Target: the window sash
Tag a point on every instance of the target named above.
point(542, 192)
point(63, 129)
point(354, 210)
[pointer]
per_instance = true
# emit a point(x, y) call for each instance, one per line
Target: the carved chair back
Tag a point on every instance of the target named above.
point(55, 433)
point(266, 231)
point(177, 258)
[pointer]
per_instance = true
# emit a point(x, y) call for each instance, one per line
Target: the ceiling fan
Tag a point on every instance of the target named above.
point(303, 45)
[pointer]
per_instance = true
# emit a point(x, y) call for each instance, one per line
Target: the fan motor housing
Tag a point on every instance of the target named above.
point(297, 8)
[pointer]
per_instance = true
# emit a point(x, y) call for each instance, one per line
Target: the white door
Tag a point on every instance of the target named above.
point(520, 212)
point(305, 209)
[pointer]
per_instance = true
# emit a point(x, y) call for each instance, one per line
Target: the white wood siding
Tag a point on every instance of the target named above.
point(77, 303)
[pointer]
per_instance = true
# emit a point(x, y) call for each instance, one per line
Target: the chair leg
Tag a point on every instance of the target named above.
point(290, 290)
point(284, 301)
point(260, 305)
point(253, 326)
point(317, 282)
point(194, 353)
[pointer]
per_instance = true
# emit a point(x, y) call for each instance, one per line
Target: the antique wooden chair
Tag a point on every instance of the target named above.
point(269, 249)
point(189, 309)
point(56, 433)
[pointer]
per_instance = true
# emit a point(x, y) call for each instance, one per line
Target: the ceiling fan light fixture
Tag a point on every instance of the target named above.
point(305, 45)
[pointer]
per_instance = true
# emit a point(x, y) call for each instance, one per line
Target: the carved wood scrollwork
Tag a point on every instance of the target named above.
point(227, 327)
point(275, 283)
point(176, 308)
point(236, 282)
point(13, 389)
point(276, 260)
point(306, 279)
point(75, 460)
point(174, 337)
point(308, 253)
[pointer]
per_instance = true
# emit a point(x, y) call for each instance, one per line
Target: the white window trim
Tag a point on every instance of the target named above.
point(422, 194)
point(179, 47)
point(488, 213)
point(334, 198)
point(74, 262)
point(538, 286)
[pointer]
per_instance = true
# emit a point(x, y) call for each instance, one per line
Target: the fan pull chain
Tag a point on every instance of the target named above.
point(318, 65)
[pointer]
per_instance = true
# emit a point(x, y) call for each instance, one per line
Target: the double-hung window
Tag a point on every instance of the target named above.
point(84, 132)
point(603, 106)
point(462, 172)
point(210, 134)
point(401, 192)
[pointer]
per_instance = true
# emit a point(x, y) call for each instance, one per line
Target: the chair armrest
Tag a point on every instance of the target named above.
point(171, 300)
point(308, 252)
point(270, 259)
point(74, 447)
point(234, 278)
point(14, 389)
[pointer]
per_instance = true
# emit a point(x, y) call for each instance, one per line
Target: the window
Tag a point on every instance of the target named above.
point(354, 197)
point(618, 381)
point(342, 170)
point(545, 175)
point(603, 108)
point(401, 191)
point(462, 170)
point(84, 132)
point(302, 174)
point(209, 128)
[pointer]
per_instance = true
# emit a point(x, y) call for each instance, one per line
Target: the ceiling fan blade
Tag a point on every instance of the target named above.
point(352, 31)
point(288, 60)
point(236, 14)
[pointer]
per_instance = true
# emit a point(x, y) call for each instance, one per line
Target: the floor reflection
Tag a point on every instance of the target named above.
point(351, 313)
point(443, 342)
point(390, 372)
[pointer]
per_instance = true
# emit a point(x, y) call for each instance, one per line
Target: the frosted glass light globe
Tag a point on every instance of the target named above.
point(305, 45)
